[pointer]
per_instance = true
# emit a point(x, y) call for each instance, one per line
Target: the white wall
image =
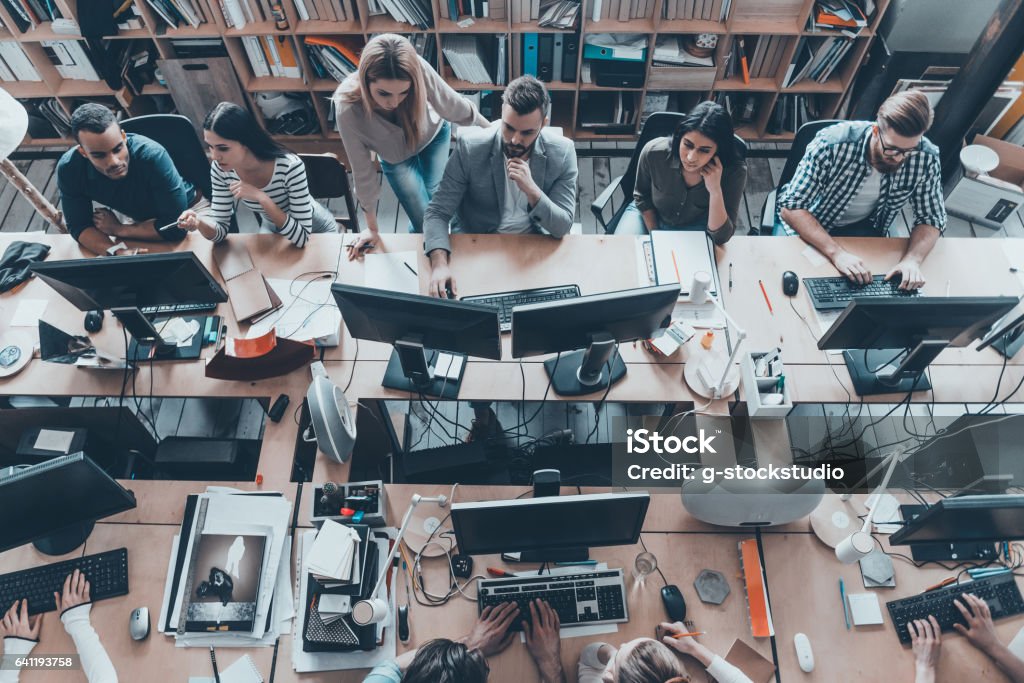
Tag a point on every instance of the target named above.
point(938, 25)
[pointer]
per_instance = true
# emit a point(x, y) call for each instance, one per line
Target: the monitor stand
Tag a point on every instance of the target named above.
point(411, 368)
point(64, 541)
point(154, 349)
point(1009, 344)
point(873, 377)
point(584, 372)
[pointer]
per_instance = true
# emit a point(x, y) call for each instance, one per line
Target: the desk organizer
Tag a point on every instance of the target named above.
point(374, 512)
point(756, 388)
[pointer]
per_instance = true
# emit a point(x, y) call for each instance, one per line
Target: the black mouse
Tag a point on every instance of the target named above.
point(675, 606)
point(790, 283)
point(93, 321)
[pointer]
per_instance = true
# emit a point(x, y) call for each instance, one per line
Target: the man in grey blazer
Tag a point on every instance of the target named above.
point(510, 178)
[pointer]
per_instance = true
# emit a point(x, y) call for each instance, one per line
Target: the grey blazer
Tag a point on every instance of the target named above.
point(473, 186)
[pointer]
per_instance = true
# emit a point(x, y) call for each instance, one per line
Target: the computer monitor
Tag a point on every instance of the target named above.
point(970, 518)
point(419, 327)
point(896, 338)
point(137, 281)
point(54, 504)
point(1006, 335)
point(551, 528)
point(590, 327)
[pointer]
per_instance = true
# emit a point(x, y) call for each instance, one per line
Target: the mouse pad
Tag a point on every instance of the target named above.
point(748, 660)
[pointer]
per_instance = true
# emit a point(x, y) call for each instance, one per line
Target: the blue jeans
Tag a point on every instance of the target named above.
point(415, 179)
point(632, 223)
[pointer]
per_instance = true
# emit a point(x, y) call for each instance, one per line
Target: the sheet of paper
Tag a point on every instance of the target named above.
point(54, 440)
point(307, 312)
point(1014, 250)
point(680, 254)
point(448, 365)
point(28, 313)
point(814, 256)
point(242, 671)
point(864, 609)
point(1017, 644)
point(888, 511)
point(393, 271)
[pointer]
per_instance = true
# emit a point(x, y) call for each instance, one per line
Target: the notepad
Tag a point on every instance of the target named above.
point(864, 609)
point(242, 671)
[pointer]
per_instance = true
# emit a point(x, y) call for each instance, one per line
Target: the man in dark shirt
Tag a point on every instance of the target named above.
point(126, 172)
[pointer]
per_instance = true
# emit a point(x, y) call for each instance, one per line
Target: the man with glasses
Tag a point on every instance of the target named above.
point(855, 178)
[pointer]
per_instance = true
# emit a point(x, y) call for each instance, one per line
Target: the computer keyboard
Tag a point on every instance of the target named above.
point(835, 292)
point(1000, 592)
point(179, 308)
point(107, 574)
point(506, 301)
point(586, 598)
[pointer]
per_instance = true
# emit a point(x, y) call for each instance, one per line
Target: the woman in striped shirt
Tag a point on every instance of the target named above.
point(249, 166)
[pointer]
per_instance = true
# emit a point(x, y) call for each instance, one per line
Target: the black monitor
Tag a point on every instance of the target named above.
point(1005, 336)
point(54, 504)
point(896, 338)
point(970, 518)
point(550, 528)
point(419, 327)
point(139, 281)
point(590, 327)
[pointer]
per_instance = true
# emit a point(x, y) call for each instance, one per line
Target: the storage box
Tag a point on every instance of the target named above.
point(374, 515)
point(681, 78)
point(755, 388)
point(985, 204)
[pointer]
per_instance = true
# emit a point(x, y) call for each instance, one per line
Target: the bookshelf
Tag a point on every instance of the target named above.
point(784, 20)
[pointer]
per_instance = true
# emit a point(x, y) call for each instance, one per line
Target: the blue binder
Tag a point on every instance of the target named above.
point(530, 53)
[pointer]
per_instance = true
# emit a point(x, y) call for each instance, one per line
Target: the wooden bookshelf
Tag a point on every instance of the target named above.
point(787, 18)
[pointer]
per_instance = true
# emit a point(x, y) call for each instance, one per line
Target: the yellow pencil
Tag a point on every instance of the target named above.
point(684, 635)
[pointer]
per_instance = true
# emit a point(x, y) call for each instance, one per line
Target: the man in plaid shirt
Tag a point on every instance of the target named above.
point(854, 179)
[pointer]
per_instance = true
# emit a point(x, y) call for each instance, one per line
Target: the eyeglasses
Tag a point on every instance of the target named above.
point(890, 151)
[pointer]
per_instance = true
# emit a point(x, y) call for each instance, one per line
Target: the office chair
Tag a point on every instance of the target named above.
point(803, 138)
point(658, 124)
point(328, 178)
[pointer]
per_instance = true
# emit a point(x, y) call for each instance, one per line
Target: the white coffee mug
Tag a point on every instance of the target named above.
point(700, 287)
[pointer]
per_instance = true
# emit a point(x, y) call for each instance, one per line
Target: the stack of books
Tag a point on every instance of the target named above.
point(176, 13)
point(15, 64)
point(238, 13)
point(56, 116)
point(741, 107)
point(563, 14)
point(415, 12)
point(453, 10)
point(550, 56)
point(793, 111)
point(72, 59)
point(837, 15)
point(622, 10)
point(816, 59)
point(327, 10)
point(669, 51)
point(31, 13)
point(701, 10)
point(198, 48)
point(272, 56)
point(763, 55)
point(608, 112)
point(334, 58)
point(477, 58)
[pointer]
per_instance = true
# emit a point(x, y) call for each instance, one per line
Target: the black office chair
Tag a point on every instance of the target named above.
point(803, 137)
point(177, 135)
point(328, 178)
point(658, 124)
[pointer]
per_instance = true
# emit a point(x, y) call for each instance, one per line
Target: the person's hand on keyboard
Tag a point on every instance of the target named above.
point(491, 632)
point(852, 267)
point(544, 641)
point(926, 641)
point(980, 629)
point(75, 593)
point(910, 270)
point(16, 624)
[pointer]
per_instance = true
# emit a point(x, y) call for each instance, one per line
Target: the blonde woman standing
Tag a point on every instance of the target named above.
point(397, 106)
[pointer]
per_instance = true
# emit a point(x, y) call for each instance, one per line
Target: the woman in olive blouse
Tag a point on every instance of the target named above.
point(691, 181)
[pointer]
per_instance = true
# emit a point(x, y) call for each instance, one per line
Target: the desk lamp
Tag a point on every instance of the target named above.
point(859, 544)
point(374, 610)
point(13, 126)
point(700, 374)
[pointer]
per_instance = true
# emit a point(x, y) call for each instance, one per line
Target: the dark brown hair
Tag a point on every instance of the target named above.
point(445, 661)
point(908, 113)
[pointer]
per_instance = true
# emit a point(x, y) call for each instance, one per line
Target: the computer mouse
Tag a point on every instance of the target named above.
point(93, 321)
point(790, 283)
point(138, 623)
point(804, 655)
point(403, 623)
point(675, 606)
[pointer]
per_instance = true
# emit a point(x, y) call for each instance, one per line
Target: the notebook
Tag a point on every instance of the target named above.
point(242, 671)
point(751, 662)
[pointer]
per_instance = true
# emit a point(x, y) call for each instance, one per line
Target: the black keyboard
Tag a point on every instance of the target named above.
point(586, 598)
point(506, 301)
point(1000, 592)
point(179, 308)
point(835, 292)
point(107, 574)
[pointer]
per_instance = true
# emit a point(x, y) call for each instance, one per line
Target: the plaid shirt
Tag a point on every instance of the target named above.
point(834, 168)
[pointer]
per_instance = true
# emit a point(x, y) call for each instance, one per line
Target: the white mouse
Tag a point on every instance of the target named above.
point(804, 655)
point(138, 623)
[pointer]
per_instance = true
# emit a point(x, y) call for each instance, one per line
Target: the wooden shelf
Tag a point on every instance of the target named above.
point(45, 32)
point(307, 28)
point(479, 26)
point(204, 31)
point(532, 27)
point(259, 28)
point(833, 85)
point(271, 84)
point(736, 84)
point(27, 89)
point(130, 34)
point(594, 87)
point(78, 88)
point(47, 142)
point(323, 85)
point(690, 26)
point(615, 26)
point(385, 24)
point(779, 27)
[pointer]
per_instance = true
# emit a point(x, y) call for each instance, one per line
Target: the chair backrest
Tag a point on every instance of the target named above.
point(328, 179)
point(803, 137)
point(178, 137)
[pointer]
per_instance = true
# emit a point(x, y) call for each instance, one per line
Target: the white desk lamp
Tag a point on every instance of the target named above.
point(859, 544)
point(701, 374)
point(13, 126)
point(374, 610)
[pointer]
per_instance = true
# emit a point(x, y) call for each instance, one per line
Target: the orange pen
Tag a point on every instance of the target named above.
point(684, 635)
point(766, 299)
point(676, 266)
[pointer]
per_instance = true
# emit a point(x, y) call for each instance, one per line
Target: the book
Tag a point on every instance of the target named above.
point(226, 575)
point(758, 610)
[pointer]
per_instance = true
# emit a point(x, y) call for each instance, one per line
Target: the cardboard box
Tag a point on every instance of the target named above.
point(985, 204)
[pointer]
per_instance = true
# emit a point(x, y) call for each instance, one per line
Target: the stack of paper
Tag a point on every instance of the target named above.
point(331, 557)
point(228, 573)
point(334, 607)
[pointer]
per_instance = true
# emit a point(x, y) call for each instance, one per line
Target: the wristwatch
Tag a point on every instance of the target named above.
point(112, 251)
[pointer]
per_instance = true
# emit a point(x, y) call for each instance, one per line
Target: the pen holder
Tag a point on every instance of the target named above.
point(367, 497)
point(762, 393)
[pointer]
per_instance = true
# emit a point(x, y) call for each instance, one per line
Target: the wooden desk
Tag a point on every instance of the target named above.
point(803, 583)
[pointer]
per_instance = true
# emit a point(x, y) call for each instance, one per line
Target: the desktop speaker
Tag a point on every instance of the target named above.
point(334, 427)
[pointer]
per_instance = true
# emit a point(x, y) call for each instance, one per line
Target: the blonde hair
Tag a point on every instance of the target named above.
point(389, 56)
point(651, 662)
point(907, 113)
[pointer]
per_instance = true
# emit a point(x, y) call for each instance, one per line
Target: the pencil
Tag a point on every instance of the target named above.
point(692, 633)
point(766, 299)
point(676, 266)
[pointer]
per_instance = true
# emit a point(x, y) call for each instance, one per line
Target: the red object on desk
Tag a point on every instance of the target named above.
point(766, 299)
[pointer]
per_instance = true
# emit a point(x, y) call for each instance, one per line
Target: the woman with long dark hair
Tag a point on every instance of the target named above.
point(693, 180)
point(249, 166)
